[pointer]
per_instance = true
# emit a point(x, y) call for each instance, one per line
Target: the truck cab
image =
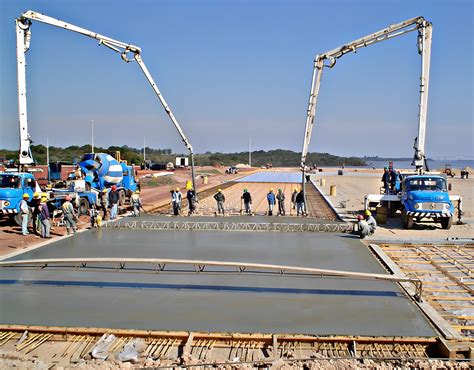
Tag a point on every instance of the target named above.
point(426, 196)
point(12, 187)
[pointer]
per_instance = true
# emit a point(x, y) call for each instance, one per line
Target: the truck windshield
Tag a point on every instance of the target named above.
point(10, 181)
point(433, 184)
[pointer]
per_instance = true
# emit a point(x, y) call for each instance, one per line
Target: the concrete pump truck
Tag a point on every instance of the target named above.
point(422, 195)
point(14, 184)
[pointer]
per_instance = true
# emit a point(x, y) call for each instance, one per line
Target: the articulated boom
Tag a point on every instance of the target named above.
point(424, 29)
point(23, 40)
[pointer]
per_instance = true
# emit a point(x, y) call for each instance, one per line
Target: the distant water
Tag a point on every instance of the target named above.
point(433, 165)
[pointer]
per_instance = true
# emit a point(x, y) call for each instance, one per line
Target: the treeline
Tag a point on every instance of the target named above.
point(278, 157)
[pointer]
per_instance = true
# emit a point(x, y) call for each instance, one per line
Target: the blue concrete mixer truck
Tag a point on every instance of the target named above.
point(96, 172)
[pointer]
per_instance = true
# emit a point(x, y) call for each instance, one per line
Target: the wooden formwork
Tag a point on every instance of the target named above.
point(73, 344)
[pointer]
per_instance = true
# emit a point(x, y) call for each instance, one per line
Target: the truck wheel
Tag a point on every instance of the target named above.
point(407, 221)
point(17, 219)
point(446, 222)
point(83, 206)
point(122, 197)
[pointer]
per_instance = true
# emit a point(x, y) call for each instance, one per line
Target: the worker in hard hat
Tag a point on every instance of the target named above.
point(363, 228)
point(220, 199)
point(25, 212)
point(281, 202)
point(114, 198)
point(44, 217)
point(136, 203)
point(191, 197)
point(35, 202)
point(247, 199)
point(104, 202)
point(293, 198)
point(69, 215)
point(271, 201)
point(176, 199)
point(370, 221)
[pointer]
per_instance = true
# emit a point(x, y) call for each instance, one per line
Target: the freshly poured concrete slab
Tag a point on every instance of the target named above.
point(211, 300)
point(270, 176)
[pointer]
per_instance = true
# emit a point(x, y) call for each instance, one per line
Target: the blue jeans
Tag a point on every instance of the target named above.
point(113, 211)
point(24, 224)
point(300, 208)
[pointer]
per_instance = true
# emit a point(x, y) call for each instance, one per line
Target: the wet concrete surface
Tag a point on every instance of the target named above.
point(214, 300)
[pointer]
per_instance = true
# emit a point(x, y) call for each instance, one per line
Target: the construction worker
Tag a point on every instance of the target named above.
point(191, 197)
point(293, 197)
point(176, 198)
point(35, 202)
point(281, 202)
point(271, 202)
point(386, 180)
point(393, 179)
point(370, 221)
point(25, 212)
point(247, 199)
point(220, 199)
point(44, 217)
point(363, 228)
point(104, 202)
point(136, 203)
point(114, 201)
point(69, 215)
point(300, 206)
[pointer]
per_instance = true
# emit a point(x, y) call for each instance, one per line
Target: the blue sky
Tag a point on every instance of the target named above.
point(231, 70)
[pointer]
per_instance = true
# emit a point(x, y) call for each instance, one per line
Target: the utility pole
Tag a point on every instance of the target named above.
point(250, 151)
point(47, 159)
point(144, 154)
point(92, 145)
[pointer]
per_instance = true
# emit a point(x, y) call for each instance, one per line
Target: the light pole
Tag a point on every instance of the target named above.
point(250, 151)
point(92, 145)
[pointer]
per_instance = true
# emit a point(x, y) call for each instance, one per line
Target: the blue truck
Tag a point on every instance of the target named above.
point(12, 187)
point(96, 172)
point(420, 197)
point(426, 196)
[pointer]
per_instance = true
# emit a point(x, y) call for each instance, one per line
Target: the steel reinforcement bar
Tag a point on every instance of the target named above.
point(74, 343)
point(228, 226)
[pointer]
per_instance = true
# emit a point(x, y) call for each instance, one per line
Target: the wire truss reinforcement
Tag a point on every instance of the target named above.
point(229, 226)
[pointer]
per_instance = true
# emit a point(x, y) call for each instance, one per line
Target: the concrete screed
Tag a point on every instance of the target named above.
point(211, 301)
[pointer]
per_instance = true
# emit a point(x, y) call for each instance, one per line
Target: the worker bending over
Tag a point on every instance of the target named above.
point(220, 199)
point(136, 203)
point(363, 228)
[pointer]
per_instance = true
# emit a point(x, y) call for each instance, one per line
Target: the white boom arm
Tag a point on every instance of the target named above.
point(424, 49)
point(23, 31)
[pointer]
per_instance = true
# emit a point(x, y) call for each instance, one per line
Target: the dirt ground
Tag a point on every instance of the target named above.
point(353, 186)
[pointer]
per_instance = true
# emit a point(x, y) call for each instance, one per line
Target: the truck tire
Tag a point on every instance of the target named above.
point(83, 206)
point(407, 221)
point(17, 219)
point(446, 222)
point(122, 197)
